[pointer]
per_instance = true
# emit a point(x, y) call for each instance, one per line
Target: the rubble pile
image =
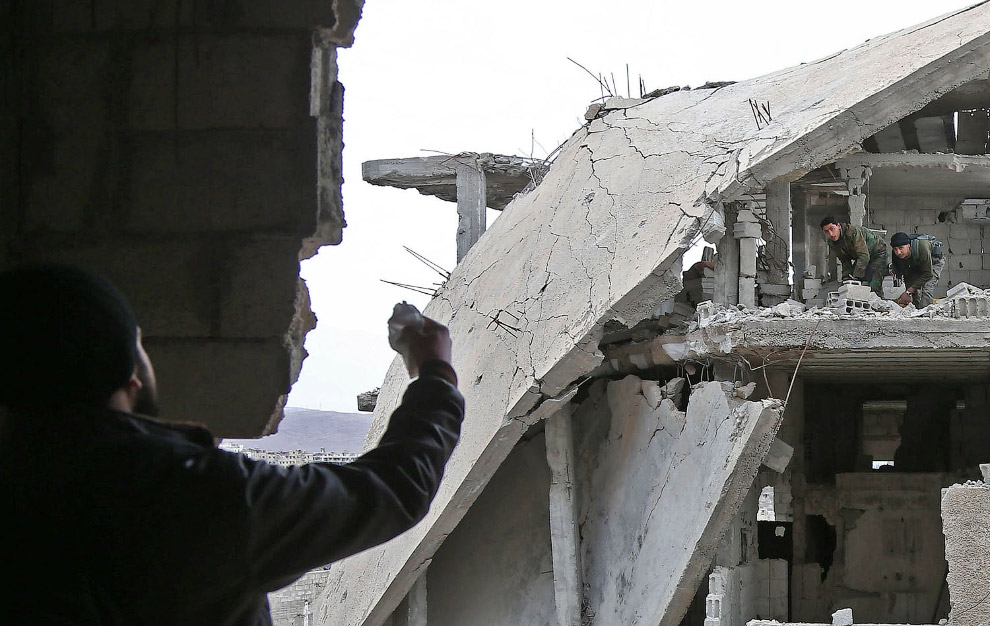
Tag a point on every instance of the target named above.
point(963, 301)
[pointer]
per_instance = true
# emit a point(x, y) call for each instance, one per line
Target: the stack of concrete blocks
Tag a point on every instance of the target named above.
point(748, 231)
point(191, 152)
point(965, 515)
point(851, 298)
point(717, 600)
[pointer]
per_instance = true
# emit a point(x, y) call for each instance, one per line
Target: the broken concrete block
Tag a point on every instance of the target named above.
point(842, 617)
point(705, 311)
point(747, 229)
point(778, 456)
point(810, 294)
point(592, 111)
point(812, 283)
point(985, 470)
point(673, 390)
point(965, 511)
point(959, 289)
point(854, 290)
point(746, 215)
point(745, 391)
point(811, 271)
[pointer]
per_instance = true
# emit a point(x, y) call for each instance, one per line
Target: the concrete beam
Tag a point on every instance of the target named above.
point(505, 176)
point(471, 212)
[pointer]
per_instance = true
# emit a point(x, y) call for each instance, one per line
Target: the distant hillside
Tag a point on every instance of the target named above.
point(310, 430)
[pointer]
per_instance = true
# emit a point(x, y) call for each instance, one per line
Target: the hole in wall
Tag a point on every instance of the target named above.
point(820, 543)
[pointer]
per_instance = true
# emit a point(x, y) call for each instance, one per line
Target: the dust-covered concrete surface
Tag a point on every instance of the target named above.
point(966, 524)
point(659, 491)
point(601, 237)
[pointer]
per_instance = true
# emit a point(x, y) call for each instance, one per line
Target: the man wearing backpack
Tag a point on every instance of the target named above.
point(919, 259)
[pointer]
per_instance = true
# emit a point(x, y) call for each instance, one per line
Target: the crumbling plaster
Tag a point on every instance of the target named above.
point(597, 240)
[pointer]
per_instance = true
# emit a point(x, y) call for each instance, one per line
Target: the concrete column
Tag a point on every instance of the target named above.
point(779, 215)
point(965, 515)
point(727, 263)
point(563, 518)
point(417, 601)
point(856, 178)
point(471, 206)
point(799, 235)
point(748, 231)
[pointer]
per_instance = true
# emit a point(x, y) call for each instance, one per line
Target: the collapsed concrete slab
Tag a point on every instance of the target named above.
point(600, 240)
point(662, 487)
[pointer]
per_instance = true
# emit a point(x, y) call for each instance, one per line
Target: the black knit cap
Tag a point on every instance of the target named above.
point(67, 337)
point(899, 239)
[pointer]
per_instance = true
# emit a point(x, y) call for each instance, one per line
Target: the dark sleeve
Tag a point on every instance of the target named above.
point(303, 517)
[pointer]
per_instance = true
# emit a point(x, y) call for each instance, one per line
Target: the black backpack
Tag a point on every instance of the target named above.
point(936, 244)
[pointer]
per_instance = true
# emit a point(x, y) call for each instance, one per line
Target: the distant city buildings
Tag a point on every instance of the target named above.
point(287, 458)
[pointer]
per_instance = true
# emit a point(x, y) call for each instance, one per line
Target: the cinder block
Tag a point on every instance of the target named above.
point(169, 284)
point(964, 231)
point(233, 387)
point(261, 287)
point(747, 229)
point(244, 81)
point(747, 257)
point(967, 261)
point(222, 181)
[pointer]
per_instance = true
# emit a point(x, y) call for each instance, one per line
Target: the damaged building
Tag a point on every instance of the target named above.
point(736, 441)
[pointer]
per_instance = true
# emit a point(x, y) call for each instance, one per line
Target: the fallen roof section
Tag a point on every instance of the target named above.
point(505, 176)
point(600, 239)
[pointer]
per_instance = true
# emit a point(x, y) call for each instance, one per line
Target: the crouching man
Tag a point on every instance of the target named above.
point(919, 260)
point(118, 518)
point(863, 255)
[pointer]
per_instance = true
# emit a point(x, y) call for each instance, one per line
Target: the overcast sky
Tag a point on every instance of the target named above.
point(448, 76)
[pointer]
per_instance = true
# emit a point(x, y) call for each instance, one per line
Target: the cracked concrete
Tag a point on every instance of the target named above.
point(632, 522)
point(600, 239)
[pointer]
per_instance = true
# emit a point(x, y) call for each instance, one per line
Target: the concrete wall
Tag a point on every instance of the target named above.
point(495, 568)
point(293, 605)
point(178, 148)
point(920, 214)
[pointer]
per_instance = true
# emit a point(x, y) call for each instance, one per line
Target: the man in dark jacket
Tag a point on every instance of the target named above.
point(117, 518)
point(862, 254)
point(919, 260)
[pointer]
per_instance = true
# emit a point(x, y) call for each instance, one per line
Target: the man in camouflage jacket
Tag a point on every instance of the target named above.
point(919, 260)
point(863, 255)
